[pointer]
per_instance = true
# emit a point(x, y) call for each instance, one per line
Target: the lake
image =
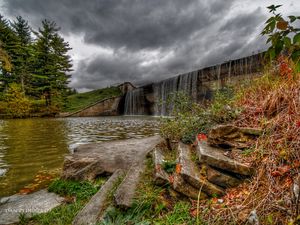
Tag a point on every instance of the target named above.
point(32, 150)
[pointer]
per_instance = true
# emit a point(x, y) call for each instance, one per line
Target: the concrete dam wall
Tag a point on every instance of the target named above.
point(200, 85)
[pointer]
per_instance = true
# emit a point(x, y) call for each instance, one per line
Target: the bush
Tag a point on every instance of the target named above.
point(189, 118)
point(15, 101)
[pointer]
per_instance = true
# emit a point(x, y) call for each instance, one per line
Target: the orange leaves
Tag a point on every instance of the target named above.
point(282, 25)
point(280, 171)
point(39, 181)
point(178, 168)
point(201, 137)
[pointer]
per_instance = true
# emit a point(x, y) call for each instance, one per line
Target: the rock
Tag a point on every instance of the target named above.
point(93, 209)
point(38, 202)
point(181, 186)
point(191, 173)
point(230, 136)
point(91, 160)
point(125, 193)
point(222, 179)
point(161, 177)
point(215, 157)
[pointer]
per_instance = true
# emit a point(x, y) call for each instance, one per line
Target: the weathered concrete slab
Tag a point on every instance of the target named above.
point(39, 202)
point(191, 173)
point(161, 177)
point(90, 160)
point(125, 193)
point(232, 136)
point(221, 179)
point(215, 157)
point(93, 209)
point(181, 186)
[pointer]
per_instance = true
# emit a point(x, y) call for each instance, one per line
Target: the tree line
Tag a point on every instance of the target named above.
point(34, 67)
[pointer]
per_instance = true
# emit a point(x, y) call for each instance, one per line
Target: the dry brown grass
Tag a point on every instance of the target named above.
point(272, 103)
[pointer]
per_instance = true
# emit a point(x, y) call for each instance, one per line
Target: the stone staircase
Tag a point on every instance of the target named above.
point(202, 171)
point(210, 173)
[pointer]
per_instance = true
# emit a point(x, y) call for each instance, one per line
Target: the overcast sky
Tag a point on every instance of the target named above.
point(149, 40)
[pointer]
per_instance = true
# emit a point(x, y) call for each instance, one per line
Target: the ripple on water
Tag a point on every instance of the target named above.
point(30, 146)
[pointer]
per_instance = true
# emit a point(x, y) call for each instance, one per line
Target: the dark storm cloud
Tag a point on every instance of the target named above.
point(182, 35)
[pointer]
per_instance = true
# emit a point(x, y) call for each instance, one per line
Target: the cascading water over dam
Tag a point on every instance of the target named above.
point(199, 85)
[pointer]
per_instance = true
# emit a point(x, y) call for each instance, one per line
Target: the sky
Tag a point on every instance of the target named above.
point(143, 41)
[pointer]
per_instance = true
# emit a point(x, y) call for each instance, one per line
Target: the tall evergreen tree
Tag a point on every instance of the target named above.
point(22, 62)
point(9, 45)
point(52, 63)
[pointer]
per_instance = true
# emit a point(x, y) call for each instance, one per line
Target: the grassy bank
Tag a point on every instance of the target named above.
point(79, 101)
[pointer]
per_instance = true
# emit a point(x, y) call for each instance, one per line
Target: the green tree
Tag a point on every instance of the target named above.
point(8, 41)
point(23, 57)
point(283, 35)
point(52, 63)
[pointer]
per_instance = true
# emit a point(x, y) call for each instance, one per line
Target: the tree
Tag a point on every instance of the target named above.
point(283, 35)
point(23, 57)
point(52, 63)
point(8, 40)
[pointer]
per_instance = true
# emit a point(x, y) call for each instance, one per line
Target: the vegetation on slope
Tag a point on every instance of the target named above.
point(79, 101)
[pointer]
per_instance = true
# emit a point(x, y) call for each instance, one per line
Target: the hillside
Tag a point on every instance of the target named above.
point(81, 100)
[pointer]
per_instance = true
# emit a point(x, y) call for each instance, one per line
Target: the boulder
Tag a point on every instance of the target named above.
point(215, 157)
point(191, 173)
point(229, 136)
point(221, 178)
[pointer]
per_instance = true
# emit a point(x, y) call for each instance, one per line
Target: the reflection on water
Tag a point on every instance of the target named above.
point(30, 146)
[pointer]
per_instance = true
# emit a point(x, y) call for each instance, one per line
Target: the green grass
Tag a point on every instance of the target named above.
point(64, 214)
point(153, 205)
point(79, 101)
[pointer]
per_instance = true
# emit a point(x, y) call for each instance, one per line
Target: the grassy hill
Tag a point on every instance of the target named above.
point(79, 101)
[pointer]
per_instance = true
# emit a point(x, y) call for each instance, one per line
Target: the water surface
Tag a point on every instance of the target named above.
point(32, 150)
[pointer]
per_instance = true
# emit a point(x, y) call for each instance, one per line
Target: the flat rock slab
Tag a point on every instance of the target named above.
point(90, 160)
point(161, 177)
point(221, 179)
point(125, 193)
point(232, 136)
point(39, 202)
point(215, 157)
point(93, 209)
point(191, 173)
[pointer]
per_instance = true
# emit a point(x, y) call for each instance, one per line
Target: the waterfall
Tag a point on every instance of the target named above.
point(186, 83)
point(155, 98)
point(135, 102)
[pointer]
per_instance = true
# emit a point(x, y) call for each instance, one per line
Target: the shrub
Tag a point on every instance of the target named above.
point(16, 103)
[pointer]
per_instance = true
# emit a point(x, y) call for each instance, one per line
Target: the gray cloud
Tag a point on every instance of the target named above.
point(149, 39)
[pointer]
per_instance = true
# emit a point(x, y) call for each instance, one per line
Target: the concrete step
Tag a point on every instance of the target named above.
point(190, 172)
point(125, 193)
point(175, 180)
point(215, 157)
point(92, 211)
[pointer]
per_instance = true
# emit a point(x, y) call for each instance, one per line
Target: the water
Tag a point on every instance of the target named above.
point(134, 102)
point(32, 149)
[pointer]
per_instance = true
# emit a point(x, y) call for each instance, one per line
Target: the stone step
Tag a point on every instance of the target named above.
point(221, 178)
point(190, 172)
point(175, 180)
point(160, 176)
point(215, 157)
point(125, 193)
point(93, 209)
